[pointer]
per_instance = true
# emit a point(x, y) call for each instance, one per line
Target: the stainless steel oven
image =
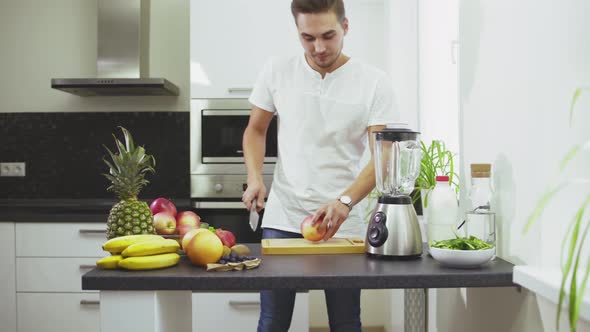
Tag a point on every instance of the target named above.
point(218, 172)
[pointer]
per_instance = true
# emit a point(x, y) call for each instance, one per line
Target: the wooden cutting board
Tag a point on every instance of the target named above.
point(303, 246)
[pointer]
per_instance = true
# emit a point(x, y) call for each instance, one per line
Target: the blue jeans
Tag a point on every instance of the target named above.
point(276, 306)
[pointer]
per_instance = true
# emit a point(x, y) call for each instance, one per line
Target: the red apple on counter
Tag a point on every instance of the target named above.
point(227, 238)
point(183, 229)
point(188, 218)
point(164, 223)
point(311, 231)
point(162, 205)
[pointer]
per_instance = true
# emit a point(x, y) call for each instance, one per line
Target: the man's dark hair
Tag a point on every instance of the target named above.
point(318, 7)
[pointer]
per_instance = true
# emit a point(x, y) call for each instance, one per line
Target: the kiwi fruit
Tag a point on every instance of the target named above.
point(241, 249)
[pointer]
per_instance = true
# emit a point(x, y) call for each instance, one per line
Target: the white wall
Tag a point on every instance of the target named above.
point(401, 50)
point(437, 71)
point(57, 39)
point(520, 63)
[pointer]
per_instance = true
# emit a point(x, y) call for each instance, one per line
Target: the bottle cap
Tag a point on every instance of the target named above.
point(481, 170)
point(442, 178)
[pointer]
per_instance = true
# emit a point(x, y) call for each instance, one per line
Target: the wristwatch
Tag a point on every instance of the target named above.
point(346, 200)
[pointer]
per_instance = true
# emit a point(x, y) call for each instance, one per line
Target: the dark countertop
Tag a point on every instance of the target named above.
point(305, 272)
point(63, 210)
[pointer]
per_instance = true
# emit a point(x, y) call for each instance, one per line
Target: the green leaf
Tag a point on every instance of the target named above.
point(541, 206)
point(128, 139)
point(575, 97)
point(569, 156)
point(584, 284)
point(576, 301)
point(568, 265)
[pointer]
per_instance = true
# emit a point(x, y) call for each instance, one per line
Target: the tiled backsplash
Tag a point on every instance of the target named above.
point(63, 152)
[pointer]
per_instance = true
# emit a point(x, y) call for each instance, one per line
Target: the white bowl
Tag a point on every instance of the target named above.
point(466, 259)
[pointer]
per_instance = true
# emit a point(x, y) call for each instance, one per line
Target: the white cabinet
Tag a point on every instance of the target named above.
point(60, 239)
point(63, 312)
point(230, 40)
point(50, 261)
point(240, 312)
point(8, 277)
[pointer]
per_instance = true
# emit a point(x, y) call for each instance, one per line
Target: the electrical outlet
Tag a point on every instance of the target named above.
point(12, 169)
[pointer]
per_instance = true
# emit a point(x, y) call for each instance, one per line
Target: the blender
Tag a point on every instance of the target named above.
point(393, 230)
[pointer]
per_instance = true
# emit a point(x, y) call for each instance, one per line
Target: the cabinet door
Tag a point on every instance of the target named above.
point(38, 274)
point(60, 239)
point(230, 40)
point(240, 312)
point(8, 277)
point(71, 312)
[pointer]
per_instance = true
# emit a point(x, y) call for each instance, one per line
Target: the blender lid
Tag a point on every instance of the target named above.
point(396, 132)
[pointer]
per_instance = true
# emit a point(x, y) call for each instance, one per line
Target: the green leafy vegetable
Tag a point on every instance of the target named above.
point(462, 243)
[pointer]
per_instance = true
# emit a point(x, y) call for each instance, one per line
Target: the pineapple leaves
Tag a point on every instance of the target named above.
point(128, 167)
point(128, 139)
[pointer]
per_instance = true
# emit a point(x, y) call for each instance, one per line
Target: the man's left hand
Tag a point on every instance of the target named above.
point(334, 213)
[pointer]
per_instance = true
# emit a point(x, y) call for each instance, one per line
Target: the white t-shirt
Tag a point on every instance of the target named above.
point(322, 134)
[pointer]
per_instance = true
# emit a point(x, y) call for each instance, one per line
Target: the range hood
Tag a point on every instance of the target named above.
point(122, 55)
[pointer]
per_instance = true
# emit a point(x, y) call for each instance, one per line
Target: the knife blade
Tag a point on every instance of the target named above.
point(253, 215)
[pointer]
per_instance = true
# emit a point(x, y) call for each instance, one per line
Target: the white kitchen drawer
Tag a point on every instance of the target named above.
point(240, 312)
point(60, 239)
point(58, 312)
point(55, 274)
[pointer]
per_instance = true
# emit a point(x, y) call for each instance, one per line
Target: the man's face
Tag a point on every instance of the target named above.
point(322, 37)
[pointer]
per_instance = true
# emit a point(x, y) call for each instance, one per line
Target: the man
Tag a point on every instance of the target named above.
point(327, 105)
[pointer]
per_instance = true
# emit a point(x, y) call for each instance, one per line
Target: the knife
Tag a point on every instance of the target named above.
point(253, 215)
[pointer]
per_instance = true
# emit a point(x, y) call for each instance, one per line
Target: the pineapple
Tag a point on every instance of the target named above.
point(127, 171)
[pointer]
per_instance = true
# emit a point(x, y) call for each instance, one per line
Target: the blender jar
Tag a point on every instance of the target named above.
point(397, 160)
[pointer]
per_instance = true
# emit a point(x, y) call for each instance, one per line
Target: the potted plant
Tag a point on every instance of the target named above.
point(573, 277)
point(436, 160)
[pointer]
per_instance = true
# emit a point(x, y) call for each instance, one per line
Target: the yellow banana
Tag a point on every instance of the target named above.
point(109, 262)
point(149, 262)
point(148, 248)
point(118, 244)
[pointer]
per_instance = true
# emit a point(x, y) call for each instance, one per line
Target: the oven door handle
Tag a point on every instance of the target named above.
point(218, 205)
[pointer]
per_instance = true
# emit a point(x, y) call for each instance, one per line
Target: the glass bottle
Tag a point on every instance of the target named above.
point(480, 191)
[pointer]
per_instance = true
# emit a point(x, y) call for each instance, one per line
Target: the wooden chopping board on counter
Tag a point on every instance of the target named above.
point(303, 246)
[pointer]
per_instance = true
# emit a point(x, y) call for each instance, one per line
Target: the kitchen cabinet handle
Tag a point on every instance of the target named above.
point(87, 266)
point(92, 231)
point(232, 90)
point(242, 304)
point(219, 205)
point(89, 302)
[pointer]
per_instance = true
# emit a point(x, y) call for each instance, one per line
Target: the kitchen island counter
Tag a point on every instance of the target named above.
point(165, 294)
point(306, 272)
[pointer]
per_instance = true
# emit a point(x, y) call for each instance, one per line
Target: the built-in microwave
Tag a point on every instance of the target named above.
point(218, 173)
point(216, 129)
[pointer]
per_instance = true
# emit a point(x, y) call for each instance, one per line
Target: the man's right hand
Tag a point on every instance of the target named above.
point(256, 189)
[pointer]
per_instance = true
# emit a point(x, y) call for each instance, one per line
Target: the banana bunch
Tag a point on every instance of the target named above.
point(140, 252)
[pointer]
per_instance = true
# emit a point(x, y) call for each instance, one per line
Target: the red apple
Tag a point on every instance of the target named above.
point(163, 205)
point(227, 238)
point(311, 231)
point(188, 218)
point(164, 223)
point(183, 229)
